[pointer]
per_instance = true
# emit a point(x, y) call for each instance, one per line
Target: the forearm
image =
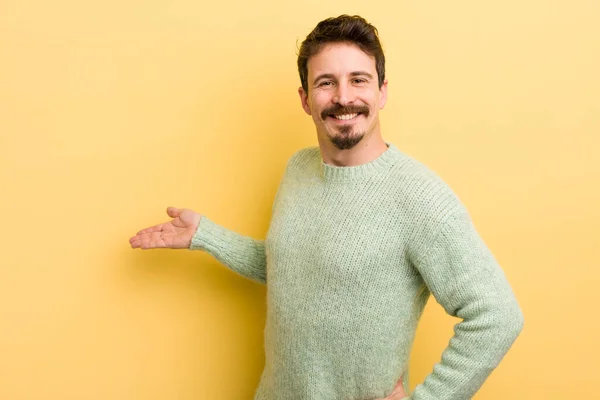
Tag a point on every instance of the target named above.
point(242, 254)
point(467, 281)
point(479, 344)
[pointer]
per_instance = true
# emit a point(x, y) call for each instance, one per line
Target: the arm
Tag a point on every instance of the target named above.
point(466, 280)
point(190, 230)
point(242, 254)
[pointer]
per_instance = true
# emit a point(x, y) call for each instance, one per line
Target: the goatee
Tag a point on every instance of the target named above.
point(345, 139)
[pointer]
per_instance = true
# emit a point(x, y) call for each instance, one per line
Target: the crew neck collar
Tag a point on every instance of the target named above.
point(379, 165)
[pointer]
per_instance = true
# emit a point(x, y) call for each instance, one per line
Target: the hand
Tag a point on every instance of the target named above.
point(398, 392)
point(175, 234)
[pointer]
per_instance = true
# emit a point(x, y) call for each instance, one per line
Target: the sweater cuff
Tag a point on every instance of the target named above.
point(208, 236)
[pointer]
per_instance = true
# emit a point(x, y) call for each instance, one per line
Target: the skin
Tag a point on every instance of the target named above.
point(341, 76)
point(341, 79)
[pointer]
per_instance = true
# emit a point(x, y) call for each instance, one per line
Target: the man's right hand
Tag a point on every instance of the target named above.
point(174, 234)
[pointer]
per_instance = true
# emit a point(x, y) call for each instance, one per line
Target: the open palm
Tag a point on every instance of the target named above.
point(174, 234)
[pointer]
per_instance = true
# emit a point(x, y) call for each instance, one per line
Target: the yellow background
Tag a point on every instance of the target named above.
point(110, 111)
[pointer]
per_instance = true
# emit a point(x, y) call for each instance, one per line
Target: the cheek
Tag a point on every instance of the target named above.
point(318, 99)
point(316, 104)
point(368, 98)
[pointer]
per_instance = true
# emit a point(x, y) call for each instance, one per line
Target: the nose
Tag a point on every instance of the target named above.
point(343, 94)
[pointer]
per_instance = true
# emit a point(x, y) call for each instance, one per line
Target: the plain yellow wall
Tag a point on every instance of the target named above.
point(110, 111)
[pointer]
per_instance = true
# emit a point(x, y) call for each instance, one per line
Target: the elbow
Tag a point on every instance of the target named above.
point(512, 322)
point(506, 322)
point(519, 321)
point(508, 326)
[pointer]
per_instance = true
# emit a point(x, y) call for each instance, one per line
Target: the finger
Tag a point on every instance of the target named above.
point(147, 240)
point(134, 242)
point(398, 393)
point(173, 212)
point(155, 228)
point(143, 241)
point(154, 240)
point(400, 383)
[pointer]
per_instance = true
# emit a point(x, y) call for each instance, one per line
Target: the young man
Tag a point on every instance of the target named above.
point(361, 235)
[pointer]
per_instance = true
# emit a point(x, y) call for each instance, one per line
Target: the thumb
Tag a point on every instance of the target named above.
point(173, 212)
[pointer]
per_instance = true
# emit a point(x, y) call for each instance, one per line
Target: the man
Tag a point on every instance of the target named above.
point(360, 235)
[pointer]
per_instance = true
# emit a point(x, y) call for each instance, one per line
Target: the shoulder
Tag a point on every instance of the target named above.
point(427, 201)
point(421, 191)
point(305, 156)
point(304, 161)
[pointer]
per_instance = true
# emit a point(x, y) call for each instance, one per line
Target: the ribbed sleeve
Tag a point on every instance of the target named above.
point(466, 280)
point(242, 254)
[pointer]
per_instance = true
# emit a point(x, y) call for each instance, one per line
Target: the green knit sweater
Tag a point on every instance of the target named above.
point(350, 259)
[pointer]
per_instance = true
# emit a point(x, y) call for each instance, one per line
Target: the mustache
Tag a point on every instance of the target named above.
point(340, 110)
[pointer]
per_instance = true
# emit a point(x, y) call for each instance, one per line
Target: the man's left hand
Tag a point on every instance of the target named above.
point(398, 392)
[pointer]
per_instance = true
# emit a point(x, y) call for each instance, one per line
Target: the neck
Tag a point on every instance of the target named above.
point(367, 150)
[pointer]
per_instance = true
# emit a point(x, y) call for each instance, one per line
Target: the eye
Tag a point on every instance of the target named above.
point(325, 83)
point(359, 81)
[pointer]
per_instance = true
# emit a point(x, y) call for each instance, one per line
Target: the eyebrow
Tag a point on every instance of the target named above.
point(331, 76)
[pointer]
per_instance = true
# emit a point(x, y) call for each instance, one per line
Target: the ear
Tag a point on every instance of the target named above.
point(383, 94)
point(304, 100)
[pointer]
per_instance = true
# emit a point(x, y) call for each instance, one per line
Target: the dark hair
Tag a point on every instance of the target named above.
point(345, 28)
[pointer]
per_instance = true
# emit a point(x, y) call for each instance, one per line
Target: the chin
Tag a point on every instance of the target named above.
point(346, 142)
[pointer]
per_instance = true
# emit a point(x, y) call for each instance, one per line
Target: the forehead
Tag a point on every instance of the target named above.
point(340, 59)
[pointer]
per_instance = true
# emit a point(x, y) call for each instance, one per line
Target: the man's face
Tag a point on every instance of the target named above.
point(343, 96)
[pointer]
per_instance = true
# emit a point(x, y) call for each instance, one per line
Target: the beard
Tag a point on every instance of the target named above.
point(346, 138)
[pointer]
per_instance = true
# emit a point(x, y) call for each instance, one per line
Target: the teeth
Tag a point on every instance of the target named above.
point(346, 116)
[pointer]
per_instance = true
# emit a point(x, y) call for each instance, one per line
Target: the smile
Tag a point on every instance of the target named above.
point(345, 117)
